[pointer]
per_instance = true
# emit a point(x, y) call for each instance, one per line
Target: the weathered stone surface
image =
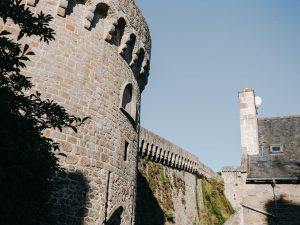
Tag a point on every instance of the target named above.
point(248, 123)
point(85, 74)
point(86, 70)
point(161, 150)
point(182, 172)
point(265, 189)
point(167, 195)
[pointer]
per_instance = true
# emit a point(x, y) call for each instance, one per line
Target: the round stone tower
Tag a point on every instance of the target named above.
point(97, 66)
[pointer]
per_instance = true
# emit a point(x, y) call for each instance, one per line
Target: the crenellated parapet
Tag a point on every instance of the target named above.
point(158, 149)
point(122, 26)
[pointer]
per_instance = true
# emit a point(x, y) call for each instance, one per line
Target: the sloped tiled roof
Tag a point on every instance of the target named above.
point(284, 131)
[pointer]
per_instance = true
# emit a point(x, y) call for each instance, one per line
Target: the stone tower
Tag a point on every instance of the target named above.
point(97, 66)
point(248, 124)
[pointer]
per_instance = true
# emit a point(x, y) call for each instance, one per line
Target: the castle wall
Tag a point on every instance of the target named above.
point(261, 197)
point(256, 202)
point(172, 177)
point(86, 69)
point(234, 182)
point(177, 195)
point(161, 150)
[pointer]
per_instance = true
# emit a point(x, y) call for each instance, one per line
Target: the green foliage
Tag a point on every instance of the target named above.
point(163, 185)
point(29, 24)
point(160, 185)
point(217, 208)
point(28, 159)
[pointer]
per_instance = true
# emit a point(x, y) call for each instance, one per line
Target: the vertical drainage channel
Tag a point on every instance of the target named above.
point(106, 197)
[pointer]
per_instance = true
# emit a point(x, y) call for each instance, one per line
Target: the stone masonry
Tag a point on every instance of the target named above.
point(265, 189)
point(248, 123)
point(178, 164)
point(161, 150)
point(97, 66)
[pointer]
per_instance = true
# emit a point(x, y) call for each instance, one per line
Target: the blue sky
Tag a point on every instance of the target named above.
point(203, 52)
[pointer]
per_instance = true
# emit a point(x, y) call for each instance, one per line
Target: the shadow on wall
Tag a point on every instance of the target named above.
point(148, 211)
point(26, 174)
point(287, 213)
point(69, 199)
point(72, 4)
point(115, 218)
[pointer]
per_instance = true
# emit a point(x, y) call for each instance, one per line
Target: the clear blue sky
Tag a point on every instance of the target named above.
point(203, 52)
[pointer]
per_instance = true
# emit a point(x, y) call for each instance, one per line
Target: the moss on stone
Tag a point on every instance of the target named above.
point(179, 183)
point(217, 209)
point(161, 186)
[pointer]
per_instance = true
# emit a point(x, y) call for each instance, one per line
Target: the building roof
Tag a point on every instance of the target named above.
point(285, 165)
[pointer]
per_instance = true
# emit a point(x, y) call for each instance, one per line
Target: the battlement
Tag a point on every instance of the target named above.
point(119, 23)
point(160, 150)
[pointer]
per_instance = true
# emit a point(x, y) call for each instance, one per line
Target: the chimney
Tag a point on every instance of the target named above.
point(248, 124)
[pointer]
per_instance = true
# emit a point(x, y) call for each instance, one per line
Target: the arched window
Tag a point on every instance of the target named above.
point(100, 13)
point(118, 32)
point(127, 98)
point(128, 104)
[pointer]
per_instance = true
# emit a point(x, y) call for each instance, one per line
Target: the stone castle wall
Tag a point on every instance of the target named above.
point(161, 150)
point(284, 197)
point(97, 66)
point(176, 196)
point(234, 180)
point(184, 173)
point(261, 203)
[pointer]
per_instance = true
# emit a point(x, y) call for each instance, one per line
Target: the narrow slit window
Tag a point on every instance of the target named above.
point(126, 148)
